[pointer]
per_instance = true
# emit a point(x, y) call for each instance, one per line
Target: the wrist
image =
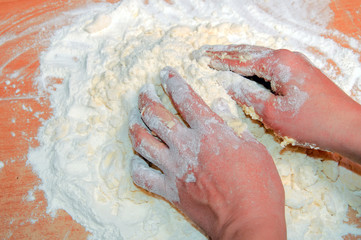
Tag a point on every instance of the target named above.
point(337, 127)
point(268, 224)
point(346, 139)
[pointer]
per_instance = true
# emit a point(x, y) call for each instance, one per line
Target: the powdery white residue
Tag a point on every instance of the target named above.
point(32, 220)
point(1, 164)
point(284, 73)
point(292, 102)
point(14, 75)
point(25, 108)
point(100, 22)
point(191, 178)
point(154, 180)
point(221, 107)
point(30, 196)
point(313, 13)
point(84, 159)
point(248, 91)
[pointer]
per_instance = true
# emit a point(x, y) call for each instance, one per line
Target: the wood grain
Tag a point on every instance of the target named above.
point(21, 24)
point(20, 216)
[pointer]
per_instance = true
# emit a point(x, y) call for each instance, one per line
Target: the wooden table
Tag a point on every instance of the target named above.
point(19, 100)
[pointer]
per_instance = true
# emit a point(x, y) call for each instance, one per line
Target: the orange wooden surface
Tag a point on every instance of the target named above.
point(19, 100)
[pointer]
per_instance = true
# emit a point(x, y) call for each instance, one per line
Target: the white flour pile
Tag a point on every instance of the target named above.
point(112, 50)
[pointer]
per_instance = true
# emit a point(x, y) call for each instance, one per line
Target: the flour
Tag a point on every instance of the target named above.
point(105, 58)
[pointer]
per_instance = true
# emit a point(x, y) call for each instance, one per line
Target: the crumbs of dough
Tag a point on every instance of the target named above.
point(288, 141)
point(251, 112)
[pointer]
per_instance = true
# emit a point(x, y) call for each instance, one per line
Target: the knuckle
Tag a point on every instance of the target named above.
point(153, 109)
point(284, 54)
point(136, 134)
point(147, 112)
point(143, 100)
point(289, 57)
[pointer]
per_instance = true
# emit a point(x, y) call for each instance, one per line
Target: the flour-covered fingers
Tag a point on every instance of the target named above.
point(236, 58)
point(161, 121)
point(187, 102)
point(146, 144)
point(148, 178)
point(247, 60)
point(249, 93)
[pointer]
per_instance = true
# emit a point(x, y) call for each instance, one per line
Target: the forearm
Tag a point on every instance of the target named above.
point(271, 227)
point(347, 133)
point(260, 221)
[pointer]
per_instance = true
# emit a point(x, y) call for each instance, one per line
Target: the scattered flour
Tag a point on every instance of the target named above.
point(30, 196)
point(108, 54)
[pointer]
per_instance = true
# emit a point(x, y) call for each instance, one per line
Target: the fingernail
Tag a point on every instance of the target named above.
point(174, 85)
point(149, 90)
point(166, 74)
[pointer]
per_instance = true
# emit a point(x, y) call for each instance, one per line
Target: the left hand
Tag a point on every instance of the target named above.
point(228, 185)
point(304, 104)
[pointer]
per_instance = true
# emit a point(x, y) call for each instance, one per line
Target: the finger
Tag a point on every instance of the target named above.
point(250, 60)
point(187, 102)
point(148, 178)
point(237, 58)
point(158, 118)
point(249, 93)
point(146, 144)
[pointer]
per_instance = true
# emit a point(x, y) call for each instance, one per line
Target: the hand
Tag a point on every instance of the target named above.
point(303, 104)
point(228, 185)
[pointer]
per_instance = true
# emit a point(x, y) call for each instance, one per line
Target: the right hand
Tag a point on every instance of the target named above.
point(304, 104)
point(226, 183)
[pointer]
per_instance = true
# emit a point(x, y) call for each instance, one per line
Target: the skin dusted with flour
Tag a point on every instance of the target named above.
point(209, 199)
point(85, 153)
point(291, 110)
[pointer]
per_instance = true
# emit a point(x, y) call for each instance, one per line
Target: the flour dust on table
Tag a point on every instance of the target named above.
point(106, 55)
